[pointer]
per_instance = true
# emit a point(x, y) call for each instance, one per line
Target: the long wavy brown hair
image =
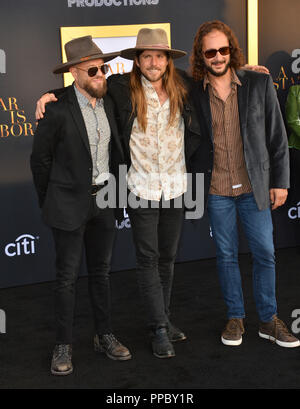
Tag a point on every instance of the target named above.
point(237, 59)
point(173, 85)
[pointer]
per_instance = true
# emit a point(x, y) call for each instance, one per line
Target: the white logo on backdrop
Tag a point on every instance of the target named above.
point(2, 62)
point(109, 3)
point(294, 212)
point(296, 322)
point(118, 65)
point(125, 224)
point(296, 63)
point(23, 245)
point(2, 322)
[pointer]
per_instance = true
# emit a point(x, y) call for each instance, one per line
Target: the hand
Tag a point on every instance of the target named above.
point(257, 68)
point(278, 197)
point(40, 105)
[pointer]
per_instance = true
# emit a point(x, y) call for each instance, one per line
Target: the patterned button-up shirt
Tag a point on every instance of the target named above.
point(98, 131)
point(230, 176)
point(157, 155)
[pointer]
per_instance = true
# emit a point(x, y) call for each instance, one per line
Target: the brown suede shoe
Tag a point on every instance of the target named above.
point(232, 334)
point(277, 332)
point(109, 344)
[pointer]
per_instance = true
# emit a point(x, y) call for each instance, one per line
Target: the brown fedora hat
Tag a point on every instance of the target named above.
point(82, 49)
point(151, 39)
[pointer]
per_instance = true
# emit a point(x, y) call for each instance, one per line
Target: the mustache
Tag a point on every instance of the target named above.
point(154, 68)
point(218, 62)
point(98, 77)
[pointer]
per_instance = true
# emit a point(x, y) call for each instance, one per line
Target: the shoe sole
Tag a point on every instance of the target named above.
point(294, 344)
point(231, 342)
point(163, 356)
point(178, 339)
point(65, 373)
point(115, 358)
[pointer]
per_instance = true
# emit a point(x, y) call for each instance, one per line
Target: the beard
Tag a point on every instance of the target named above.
point(97, 91)
point(217, 73)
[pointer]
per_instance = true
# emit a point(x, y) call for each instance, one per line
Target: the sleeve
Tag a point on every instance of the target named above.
point(292, 111)
point(57, 92)
point(276, 139)
point(43, 148)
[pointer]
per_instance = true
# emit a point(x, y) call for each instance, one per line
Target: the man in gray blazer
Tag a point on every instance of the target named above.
point(246, 155)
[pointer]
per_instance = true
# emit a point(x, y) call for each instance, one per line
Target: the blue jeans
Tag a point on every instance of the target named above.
point(258, 228)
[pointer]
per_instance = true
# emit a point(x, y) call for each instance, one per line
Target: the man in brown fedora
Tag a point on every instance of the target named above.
point(70, 163)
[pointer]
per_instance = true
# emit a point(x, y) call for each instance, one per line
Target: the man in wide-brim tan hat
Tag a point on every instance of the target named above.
point(158, 124)
point(70, 163)
point(152, 39)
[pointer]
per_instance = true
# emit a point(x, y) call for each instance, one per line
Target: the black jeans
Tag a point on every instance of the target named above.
point(97, 236)
point(156, 233)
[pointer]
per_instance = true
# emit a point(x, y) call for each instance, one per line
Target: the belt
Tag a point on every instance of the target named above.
point(95, 188)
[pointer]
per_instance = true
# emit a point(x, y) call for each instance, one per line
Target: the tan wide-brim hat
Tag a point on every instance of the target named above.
point(154, 40)
point(80, 50)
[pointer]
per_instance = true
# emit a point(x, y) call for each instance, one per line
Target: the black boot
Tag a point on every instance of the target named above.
point(62, 360)
point(161, 345)
point(175, 334)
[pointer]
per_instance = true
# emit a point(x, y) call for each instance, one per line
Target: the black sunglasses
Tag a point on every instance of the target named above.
point(92, 71)
point(213, 52)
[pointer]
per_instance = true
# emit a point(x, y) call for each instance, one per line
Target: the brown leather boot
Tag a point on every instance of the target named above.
point(109, 344)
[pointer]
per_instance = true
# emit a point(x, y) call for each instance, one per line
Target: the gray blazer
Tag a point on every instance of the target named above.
point(263, 133)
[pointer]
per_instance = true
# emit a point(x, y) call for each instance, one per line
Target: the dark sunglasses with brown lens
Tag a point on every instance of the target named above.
point(213, 52)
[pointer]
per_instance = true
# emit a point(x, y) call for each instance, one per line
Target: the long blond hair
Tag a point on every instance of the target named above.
point(172, 83)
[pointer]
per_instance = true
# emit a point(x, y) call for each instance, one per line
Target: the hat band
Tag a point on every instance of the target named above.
point(162, 46)
point(87, 58)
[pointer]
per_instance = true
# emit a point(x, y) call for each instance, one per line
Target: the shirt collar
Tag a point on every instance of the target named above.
point(146, 83)
point(83, 100)
point(234, 79)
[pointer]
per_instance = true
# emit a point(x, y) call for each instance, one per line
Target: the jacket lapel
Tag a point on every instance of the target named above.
point(204, 105)
point(243, 96)
point(192, 134)
point(109, 110)
point(78, 118)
